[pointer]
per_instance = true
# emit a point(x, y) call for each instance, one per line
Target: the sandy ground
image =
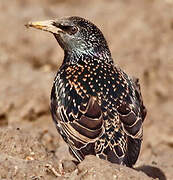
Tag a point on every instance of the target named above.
point(140, 36)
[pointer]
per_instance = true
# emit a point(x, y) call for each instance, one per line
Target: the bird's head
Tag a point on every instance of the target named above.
point(77, 36)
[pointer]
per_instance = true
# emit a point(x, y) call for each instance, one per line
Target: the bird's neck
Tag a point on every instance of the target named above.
point(74, 56)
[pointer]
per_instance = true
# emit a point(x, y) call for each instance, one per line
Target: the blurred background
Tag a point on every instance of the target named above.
point(140, 36)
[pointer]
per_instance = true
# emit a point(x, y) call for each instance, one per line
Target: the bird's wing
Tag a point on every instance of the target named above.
point(131, 119)
point(79, 123)
point(85, 128)
point(132, 111)
point(139, 97)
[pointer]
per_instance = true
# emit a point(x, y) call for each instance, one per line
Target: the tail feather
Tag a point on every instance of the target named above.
point(133, 149)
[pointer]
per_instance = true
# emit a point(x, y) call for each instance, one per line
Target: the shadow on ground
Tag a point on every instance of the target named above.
point(152, 172)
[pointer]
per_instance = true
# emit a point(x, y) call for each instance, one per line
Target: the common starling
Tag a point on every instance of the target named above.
point(97, 108)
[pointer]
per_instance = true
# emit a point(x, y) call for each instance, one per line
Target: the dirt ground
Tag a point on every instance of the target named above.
point(140, 36)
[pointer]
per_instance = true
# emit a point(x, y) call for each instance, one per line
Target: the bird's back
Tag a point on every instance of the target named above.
point(98, 110)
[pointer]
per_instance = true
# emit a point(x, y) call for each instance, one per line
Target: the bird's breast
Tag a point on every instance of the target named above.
point(77, 83)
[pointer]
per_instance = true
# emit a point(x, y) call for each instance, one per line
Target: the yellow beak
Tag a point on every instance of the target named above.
point(44, 25)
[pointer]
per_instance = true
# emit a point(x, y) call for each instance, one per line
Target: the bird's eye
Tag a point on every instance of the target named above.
point(69, 29)
point(73, 29)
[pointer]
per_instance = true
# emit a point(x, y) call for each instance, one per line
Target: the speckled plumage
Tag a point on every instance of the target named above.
point(96, 107)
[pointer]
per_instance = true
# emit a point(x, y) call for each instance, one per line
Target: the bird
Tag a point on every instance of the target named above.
point(97, 108)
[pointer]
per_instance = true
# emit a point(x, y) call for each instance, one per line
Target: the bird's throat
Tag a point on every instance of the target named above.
point(74, 56)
